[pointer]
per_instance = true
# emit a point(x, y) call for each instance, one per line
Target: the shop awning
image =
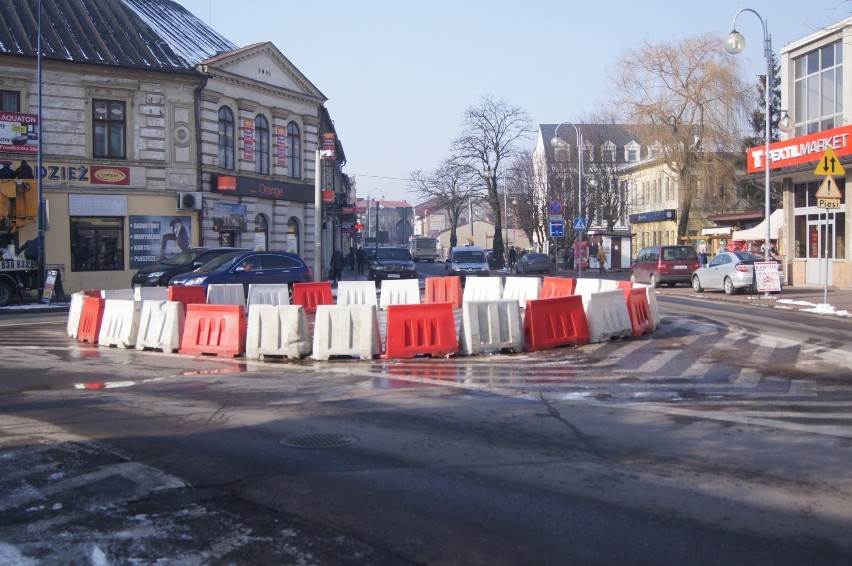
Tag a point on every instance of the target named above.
point(776, 223)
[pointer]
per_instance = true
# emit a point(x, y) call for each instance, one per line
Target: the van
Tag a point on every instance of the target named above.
point(664, 264)
point(468, 261)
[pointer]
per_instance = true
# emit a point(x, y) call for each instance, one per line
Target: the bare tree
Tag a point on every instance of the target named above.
point(451, 186)
point(688, 98)
point(526, 209)
point(490, 136)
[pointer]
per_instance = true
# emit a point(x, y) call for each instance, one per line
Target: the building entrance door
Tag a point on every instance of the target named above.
point(820, 250)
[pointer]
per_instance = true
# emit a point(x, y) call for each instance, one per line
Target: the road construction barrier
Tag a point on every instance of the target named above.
point(90, 319)
point(651, 295)
point(491, 325)
point(311, 295)
point(277, 330)
point(551, 323)
point(268, 294)
point(557, 287)
point(446, 289)
point(346, 330)
point(399, 292)
point(639, 311)
point(161, 326)
point(593, 285)
point(188, 295)
point(151, 294)
point(522, 289)
point(120, 294)
point(425, 329)
point(607, 314)
point(120, 323)
point(226, 294)
point(483, 289)
point(352, 293)
point(214, 329)
point(74, 312)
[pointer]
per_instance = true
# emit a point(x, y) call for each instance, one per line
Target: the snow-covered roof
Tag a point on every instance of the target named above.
point(144, 34)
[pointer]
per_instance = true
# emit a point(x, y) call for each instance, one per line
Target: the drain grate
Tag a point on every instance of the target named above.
point(319, 441)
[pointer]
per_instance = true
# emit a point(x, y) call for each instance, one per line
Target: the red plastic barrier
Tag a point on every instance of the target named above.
point(640, 311)
point(426, 329)
point(557, 287)
point(92, 292)
point(310, 295)
point(214, 329)
point(626, 285)
point(444, 290)
point(188, 295)
point(91, 318)
point(554, 322)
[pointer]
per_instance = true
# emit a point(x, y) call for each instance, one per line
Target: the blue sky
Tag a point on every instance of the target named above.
point(399, 75)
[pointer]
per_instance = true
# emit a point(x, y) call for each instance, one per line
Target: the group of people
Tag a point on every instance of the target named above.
point(355, 258)
point(23, 171)
point(568, 258)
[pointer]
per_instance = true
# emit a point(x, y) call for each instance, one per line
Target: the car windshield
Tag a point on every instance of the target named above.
point(394, 254)
point(678, 253)
point(221, 263)
point(184, 258)
point(469, 257)
point(536, 257)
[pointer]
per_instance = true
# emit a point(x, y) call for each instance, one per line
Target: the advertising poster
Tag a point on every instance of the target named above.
point(767, 277)
point(19, 132)
point(153, 238)
point(281, 146)
point(229, 217)
point(248, 140)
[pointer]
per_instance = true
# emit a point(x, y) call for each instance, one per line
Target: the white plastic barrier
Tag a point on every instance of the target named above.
point(74, 312)
point(161, 326)
point(226, 294)
point(593, 285)
point(522, 289)
point(356, 293)
point(482, 289)
point(491, 325)
point(277, 330)
point(607, 315)
point(151, 294)
point(651, 293)
point(400, 292)
point(346, 331)
point(269, 294)
point(119, 294)
point(120, 323)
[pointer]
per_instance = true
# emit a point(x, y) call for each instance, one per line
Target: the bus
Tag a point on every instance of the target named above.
point(423, 248)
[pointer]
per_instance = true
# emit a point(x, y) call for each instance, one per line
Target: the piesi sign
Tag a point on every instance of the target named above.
point(804, 149)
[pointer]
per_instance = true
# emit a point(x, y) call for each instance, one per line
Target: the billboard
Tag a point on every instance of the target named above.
point(19, 132)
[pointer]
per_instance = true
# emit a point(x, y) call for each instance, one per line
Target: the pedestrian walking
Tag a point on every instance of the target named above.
point(361, 258)
point(702, 258)
point(601, 260)
point(513, 257)
point(336, 267)
point(350, 258)
point(571, 259)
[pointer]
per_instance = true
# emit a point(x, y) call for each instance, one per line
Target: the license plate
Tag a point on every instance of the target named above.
point(393, 275)
point(680, 267)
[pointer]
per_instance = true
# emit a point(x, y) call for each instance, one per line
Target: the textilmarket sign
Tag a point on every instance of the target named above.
point(804, 149)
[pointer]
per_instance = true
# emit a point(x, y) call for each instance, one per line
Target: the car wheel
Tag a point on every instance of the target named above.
point(729, 287)
point(654, 282)
point(5, 293)
point(696, 284)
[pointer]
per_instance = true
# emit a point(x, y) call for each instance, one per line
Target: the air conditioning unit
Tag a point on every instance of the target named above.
point(189, 201)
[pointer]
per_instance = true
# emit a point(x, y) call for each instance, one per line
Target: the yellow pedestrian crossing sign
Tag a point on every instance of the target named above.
point(829, 164)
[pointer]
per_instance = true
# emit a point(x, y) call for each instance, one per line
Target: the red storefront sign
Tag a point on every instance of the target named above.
point(804, 149)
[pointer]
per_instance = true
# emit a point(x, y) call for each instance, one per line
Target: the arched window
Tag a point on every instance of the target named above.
point(261, 145)
point(294, 151)
point(293, 245)
point(261, 233)
point(226, 138)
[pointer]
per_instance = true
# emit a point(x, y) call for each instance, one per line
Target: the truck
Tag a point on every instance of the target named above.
point(423, 248)
point(18, 208)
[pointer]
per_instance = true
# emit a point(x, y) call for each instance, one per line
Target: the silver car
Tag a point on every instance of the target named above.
point(728, 271)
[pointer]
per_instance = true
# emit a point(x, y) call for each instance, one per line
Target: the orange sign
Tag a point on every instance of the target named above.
point(804, 149)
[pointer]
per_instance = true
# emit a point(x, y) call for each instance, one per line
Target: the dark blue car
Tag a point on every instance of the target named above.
point(247, 267)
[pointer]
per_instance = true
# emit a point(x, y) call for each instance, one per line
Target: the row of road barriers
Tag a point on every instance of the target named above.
point(522, 314)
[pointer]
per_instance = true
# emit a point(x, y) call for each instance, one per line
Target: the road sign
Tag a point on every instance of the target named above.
point(581, 224)
point(555, 207)
point(557, 228)
point(829, 164)
point(831, 203)
point(829, 189)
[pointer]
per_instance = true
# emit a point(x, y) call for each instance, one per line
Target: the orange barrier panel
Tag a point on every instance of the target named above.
point(557, 287)
point(444, 290)
point(420, 329)
point(310, 295)
point(188, 295)
point(626, 285)
point(214, 329)
point(91, 318)
point(640, 311)
point(554, 322)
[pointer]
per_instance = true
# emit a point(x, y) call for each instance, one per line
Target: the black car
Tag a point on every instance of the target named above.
point(392, 263)
point(158, 274)
point(248, 267)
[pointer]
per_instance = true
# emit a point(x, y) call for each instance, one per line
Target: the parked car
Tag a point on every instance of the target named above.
point(392, 263)
point(159, 274)
point(728, 271)
point(532, 262)
point(468, 261)
point(664, 264)
point(491, 259)
point(248, 267)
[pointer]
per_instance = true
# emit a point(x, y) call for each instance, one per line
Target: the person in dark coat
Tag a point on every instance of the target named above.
point(24, 171)
point(6, 172)
point(361, 258)
point(336, 267)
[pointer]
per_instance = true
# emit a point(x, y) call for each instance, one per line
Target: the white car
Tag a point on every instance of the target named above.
point(728, 271)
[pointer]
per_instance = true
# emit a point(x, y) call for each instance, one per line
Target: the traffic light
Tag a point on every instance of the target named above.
point(359, 227)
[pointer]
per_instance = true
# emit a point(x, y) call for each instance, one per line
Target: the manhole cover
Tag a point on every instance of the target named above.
point(319, 440)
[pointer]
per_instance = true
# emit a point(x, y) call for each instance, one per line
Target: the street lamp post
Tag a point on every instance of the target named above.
point(556, 142)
